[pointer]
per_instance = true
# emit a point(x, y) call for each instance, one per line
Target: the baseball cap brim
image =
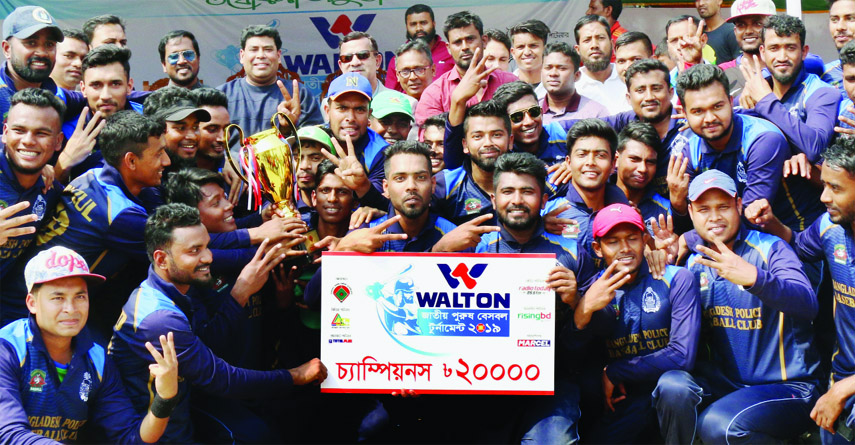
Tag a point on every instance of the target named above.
point(605, 229)
point(698, 194)
point(91, 278)
point(360, 92)
point(179, 114)
point(29, 31)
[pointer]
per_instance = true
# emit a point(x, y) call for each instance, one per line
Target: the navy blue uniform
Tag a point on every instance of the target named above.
point(551, 149)
point(7, 90)
point(833, 75)
point(34, 403)
point(651, 327)
point(435, 228)
point(759, 341)
point(155, 309)
point(458, 198)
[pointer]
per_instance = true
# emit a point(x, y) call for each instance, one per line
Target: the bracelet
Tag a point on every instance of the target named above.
point(162, 408)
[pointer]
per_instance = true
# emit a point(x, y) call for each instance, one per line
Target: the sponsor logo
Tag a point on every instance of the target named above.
point(534, 316)
point(538, 343)
point(341, 291)
point(340, 322)
point(341, 340)
point(840, 255)
point(3, 204)
point(341, 27)
point(37, 380)
point(463, 272)
point(741, 175)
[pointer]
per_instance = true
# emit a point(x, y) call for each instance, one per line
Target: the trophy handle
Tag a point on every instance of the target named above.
point(229, 149)
point(291, 124)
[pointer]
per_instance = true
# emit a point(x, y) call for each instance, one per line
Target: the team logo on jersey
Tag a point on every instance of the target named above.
point(741, 176)
point(571, 231)
point(3, 204)
point(840, 255)
point(472, 205)
point(678, 144)
point(37, 380)
point(341, 291)
point(650, 301)
point(85, 386)
point(704, 281)
point(39, 207)
point(795, 112)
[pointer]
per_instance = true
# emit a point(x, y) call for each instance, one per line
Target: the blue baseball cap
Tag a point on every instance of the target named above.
point(711, 179)
point(350, 83)
point(25, 21)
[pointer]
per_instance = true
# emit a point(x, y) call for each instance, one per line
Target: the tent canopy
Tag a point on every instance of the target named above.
point(807, 5)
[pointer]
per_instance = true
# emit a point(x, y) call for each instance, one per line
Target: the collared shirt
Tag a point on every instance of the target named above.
point(7, 90)
point(539, 89)
point(442, 60)
point(580, 107)
point(611, 93)
point(754, 157)
point(434, 229)
point(34, 403)
point(436, 98)
point(156, 308)
point(458, 198)
point(583, 215)
point(651, 326)
point(833, 75)
point(41, 204)
point(833, 242)
point(762, 334)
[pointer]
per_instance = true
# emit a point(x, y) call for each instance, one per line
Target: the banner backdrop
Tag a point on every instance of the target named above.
point(311, 29)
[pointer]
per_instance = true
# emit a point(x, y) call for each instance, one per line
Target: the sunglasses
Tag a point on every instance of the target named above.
point(518, 116)
point(189, 55)
point(419, 71)
point(362, 55)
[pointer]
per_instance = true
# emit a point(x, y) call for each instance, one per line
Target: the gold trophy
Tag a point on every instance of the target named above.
point(267, 164)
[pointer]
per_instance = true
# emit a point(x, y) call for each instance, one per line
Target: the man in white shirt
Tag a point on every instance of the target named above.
point(599, 80)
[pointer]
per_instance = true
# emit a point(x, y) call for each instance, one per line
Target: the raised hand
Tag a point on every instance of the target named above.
point(81, 143)
point(678, 182)
point(363, 215)
point(369, 239)
point(465, 236)
point(555, 225)
point(563, 281)
point(10, 227)
point(255, 273)
point(562, 171)
point(729, 265)
point(348, 167)
point(848, 121)
point(756, 87)
point(290, 105)
point(278, 229)
point(600, 294)
point(165, 368)
point(692, 46)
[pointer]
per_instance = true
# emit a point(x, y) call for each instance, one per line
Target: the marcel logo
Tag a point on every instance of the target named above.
point(342, 26)
point(462, 273)
point(533, 343)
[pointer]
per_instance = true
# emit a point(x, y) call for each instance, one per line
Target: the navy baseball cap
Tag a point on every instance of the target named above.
point(350, 83)
point(183, 108)
point(711, 179)
point(25, 21)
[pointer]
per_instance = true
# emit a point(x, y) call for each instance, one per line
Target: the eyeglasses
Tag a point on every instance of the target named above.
point(418, 71)
point(189, 55)
point(362, 55)
point(518, 116)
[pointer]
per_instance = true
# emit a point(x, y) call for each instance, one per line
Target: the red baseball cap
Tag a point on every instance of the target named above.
point(615, 214)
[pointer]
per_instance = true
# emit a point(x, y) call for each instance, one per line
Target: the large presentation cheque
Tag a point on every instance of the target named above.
point(438, 323)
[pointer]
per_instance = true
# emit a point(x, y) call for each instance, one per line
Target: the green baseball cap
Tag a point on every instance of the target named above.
point(317, 134)
point(389, 101)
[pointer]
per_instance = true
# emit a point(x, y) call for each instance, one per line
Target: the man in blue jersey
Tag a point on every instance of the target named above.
point(531, 135)
point(31, 136)
point(841, 24)
point(756, 381)
point(30, 36)
point(176, 243)
point(636, 167)
point(830, 238)
point(55, 382)
point(650, 325)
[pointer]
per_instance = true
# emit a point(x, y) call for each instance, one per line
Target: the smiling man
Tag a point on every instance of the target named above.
point(211, 151)
point(179, 56)
point(528, 40)
point(179, 109)
point(546, 142)
point(841, 24)
point(30, 36)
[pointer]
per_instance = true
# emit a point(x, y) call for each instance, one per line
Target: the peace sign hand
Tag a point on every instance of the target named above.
point(756, 87)
point(692, 46)
point(348, 167)
point(290, 105)
point(474, 79)
point(165, 368)
point(729, 265)
point(369, 239)
point(465, 236)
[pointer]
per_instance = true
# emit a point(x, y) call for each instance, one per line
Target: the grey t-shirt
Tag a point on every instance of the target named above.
point(724, 43)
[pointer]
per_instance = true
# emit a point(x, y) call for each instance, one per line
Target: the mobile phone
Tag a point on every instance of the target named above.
point(842, 429)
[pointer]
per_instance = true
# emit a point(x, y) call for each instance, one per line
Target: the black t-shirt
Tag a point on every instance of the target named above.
point(724, 43)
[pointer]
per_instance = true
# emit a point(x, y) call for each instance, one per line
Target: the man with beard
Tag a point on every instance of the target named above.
point(106, 89)
point(804, 107)
point(830, 238)
point(464, 32)
point(628, 306)
point(719, 32)
point(756, 379)
point(527, 42)
point(212, 143)
point(599, 80)
point(561, 65)
point(841, 23)
point(609, 10)
point(635, 164)
point(546, 142)
point(177, 245)
point(30, 36)
point(31, 136)
point(421, 25)
point(416, 68)
point(591, 145)
point(67, 71)
point(178, 108)
point(179, 56)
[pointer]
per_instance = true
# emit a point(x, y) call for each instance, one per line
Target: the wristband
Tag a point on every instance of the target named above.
point(162, 408)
